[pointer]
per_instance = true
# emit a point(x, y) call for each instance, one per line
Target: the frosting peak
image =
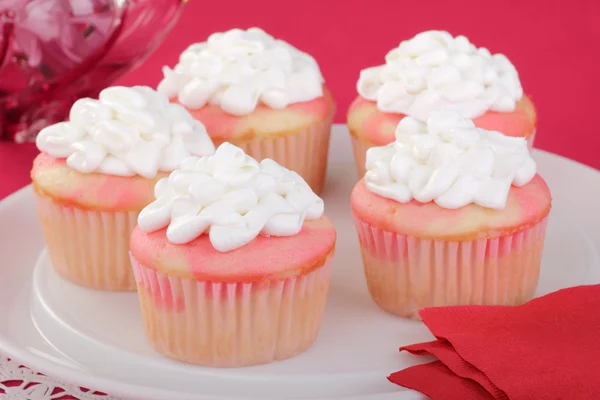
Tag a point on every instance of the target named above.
point(449, 161)
point(232, 197)
point(239, 69)
point(127, 131)
point(435, 71)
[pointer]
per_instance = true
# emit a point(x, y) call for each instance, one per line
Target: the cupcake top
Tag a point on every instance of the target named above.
point(435, 71)
point(240, 69)
point(232, 198)
point(126, 132)
point(449, 161)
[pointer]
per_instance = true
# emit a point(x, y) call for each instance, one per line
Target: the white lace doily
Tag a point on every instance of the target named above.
point(20, 383)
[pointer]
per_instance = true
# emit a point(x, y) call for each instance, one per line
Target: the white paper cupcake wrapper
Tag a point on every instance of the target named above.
point(406, 274)
point(231, 324)
point(89, 248)
point(304, 152)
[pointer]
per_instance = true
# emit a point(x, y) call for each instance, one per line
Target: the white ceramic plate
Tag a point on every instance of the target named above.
point(96, 339)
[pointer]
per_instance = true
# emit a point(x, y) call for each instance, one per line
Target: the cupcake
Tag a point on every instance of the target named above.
point(435, 71)
point(450, 214)
point(260, 94)
point(232, 261)
point(98, 170)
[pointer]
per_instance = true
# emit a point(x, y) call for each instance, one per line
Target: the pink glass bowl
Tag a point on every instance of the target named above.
point(53, 52)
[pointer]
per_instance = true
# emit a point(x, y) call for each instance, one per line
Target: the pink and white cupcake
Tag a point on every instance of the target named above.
point(260, 94)
point(232, 261)
point(450, 214)
point(98, 170)
point(435, 71)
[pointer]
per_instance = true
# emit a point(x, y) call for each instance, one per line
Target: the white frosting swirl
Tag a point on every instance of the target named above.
point(239, 69)
point(233, 198)
point(450, 161)
point(127, 131)
point(435, 71)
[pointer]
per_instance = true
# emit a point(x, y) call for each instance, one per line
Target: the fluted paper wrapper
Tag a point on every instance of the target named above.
point(360, 147)
point(231, 324)
point(89, 248)
point(406, 274)
point(304, 152)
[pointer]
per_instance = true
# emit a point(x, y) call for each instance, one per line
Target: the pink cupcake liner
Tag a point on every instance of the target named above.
point(360, 147)
point(406, 274)
point(231, 324)
point(304, 152)
point(89, 248)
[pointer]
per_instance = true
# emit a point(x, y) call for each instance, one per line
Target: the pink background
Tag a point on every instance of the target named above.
point(554, 45)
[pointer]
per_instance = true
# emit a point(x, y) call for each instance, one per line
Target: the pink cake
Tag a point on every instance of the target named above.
point(260, 94)
point(434, 71)
point(236, 273)
point(433, 237)
point(97, 171)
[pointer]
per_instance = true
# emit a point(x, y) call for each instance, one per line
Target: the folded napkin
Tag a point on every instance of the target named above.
point(547, 349)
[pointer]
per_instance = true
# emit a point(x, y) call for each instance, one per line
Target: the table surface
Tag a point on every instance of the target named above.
point(551, 45)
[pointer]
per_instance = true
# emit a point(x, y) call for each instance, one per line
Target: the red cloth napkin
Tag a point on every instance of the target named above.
point(547, 349)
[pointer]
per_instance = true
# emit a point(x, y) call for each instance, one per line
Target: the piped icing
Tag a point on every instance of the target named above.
point(240, 69)
point(128, 131)
point(436, 71)
point(449, 161)
point(232, 198)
